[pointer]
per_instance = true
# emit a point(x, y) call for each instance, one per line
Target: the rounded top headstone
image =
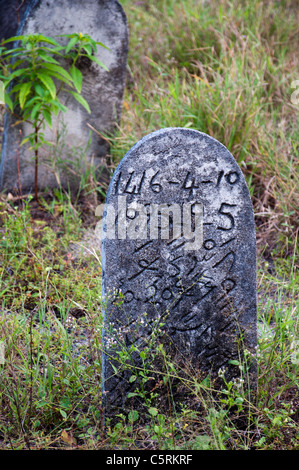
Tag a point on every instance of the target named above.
point(179, 243)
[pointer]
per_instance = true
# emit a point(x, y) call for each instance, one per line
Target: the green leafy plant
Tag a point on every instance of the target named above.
point(33, 79)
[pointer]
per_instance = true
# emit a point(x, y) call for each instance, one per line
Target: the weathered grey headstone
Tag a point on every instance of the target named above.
point(203, 285)
point(104, 21)
point(11, 13)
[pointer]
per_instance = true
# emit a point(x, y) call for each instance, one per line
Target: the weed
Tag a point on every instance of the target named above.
point(28, 71)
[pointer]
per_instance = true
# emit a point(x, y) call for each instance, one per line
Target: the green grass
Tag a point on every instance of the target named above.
point(224, 68)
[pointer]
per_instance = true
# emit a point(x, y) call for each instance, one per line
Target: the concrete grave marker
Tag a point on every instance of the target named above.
point(104, 21)
point(11, 12)
point(194, 266)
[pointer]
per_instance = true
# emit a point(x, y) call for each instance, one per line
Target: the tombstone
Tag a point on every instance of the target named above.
point(77, 145)
point(11, 12)
point(198, 274)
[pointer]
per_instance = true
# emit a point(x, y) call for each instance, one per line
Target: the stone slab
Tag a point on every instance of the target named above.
point(104, 21)
point(206, 294)
point(11, 12)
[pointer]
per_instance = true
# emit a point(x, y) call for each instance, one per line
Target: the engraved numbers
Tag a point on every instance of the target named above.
point(155, 187)
point(133, 183)
point(195, 277)
point(231, 177)
point(223, 211)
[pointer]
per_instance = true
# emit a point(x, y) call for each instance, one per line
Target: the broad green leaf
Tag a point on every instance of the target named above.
point(142, 354)
point(54, 108)
point(16, 88)
point(24, 141)
point(47, 115)
point(95, 59)
point(39, 90)
point(59, 105)
point(133, 415)
point(23, 93)
point(153, 411)
point(18, 72)
point(13, 38)
point(63, 414)
point(47, 57)
point(71, 43)
point(93, 43)
point(102, 45)
point(88, 49)
point(8, 101)
point(46, 39)
point(59, 77)
point(57, 69)
point(48, 82)
point(53, 50)
point(77, 78)
point(32, 102)
point(234, 362)
point(132, 378)
point(80, 100)
point(34, 111)
point(16, 64)
point(11, 52)
point(47, 142)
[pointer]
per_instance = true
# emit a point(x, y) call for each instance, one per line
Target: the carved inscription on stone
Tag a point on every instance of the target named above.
point(204, 288)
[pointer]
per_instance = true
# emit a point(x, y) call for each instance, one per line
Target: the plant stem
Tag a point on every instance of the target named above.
point(18, 166)
point(36, 164)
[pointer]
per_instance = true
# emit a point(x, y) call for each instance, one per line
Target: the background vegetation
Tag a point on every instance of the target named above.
point(224, 68)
